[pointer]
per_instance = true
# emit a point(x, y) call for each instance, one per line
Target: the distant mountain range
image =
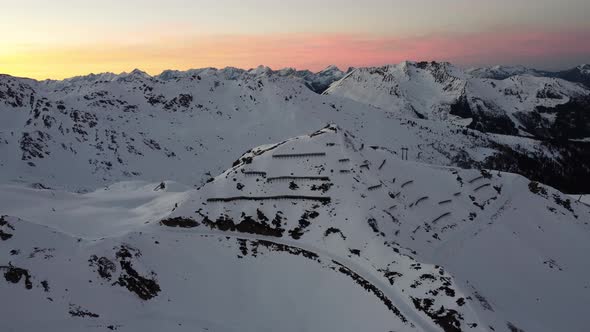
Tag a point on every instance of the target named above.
point(315, 81)
point(124, 126)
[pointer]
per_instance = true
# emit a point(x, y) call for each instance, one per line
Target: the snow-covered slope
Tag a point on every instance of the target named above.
point(579, 74)
point(503, 72)
point(501, 100)
point(319, 232)
point(88, 132)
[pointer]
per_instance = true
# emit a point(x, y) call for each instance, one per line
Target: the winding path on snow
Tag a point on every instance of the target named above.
point(403, 305)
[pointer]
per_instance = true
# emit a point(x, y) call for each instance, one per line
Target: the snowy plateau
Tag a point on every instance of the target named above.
point(279, 200)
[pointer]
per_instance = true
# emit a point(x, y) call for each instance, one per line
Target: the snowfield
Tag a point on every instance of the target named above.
point(232, 200)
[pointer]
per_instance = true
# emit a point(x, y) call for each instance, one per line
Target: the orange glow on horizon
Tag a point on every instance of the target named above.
point(302, 51)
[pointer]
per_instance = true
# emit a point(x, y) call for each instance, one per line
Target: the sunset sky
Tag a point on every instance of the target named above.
point(63, 38)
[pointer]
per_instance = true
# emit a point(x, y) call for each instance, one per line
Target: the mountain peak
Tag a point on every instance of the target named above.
point(331, 68)
point(260, 70)
point(139, 72)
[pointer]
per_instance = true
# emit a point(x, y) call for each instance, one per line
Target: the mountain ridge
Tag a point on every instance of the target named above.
point(507, 70)
point(316, 81)
point(522, 105)
point(128, 129)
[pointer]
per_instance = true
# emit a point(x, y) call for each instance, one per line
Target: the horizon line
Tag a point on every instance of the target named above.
point(276, 69)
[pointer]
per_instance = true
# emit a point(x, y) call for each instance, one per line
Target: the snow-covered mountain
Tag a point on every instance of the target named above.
point(504, 100)
point(579, 74)
point(187, 126)
point(499, 72)
point(317, 82)
point(320, 232)
point(123, 207)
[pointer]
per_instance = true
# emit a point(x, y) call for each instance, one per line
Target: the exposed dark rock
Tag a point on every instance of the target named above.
point(243, 246)
point(304, 222)
point(105, 267)
point(374, 226)
point(40, 186)
point(182, 222)
point(273, 246)
point(391, 275)
point(46, 253)
point(565, 203)
point(356, 252)
point(324, 187)
point(76, 311)
point(246, 225)
point(152, 144)
point(277, 219)
point(260, 216)
point(144, 287)
point(45, 285)
point(333, 230)
point(4, 234)
point(448, 319)
point(34, 145)
point(15, 274)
